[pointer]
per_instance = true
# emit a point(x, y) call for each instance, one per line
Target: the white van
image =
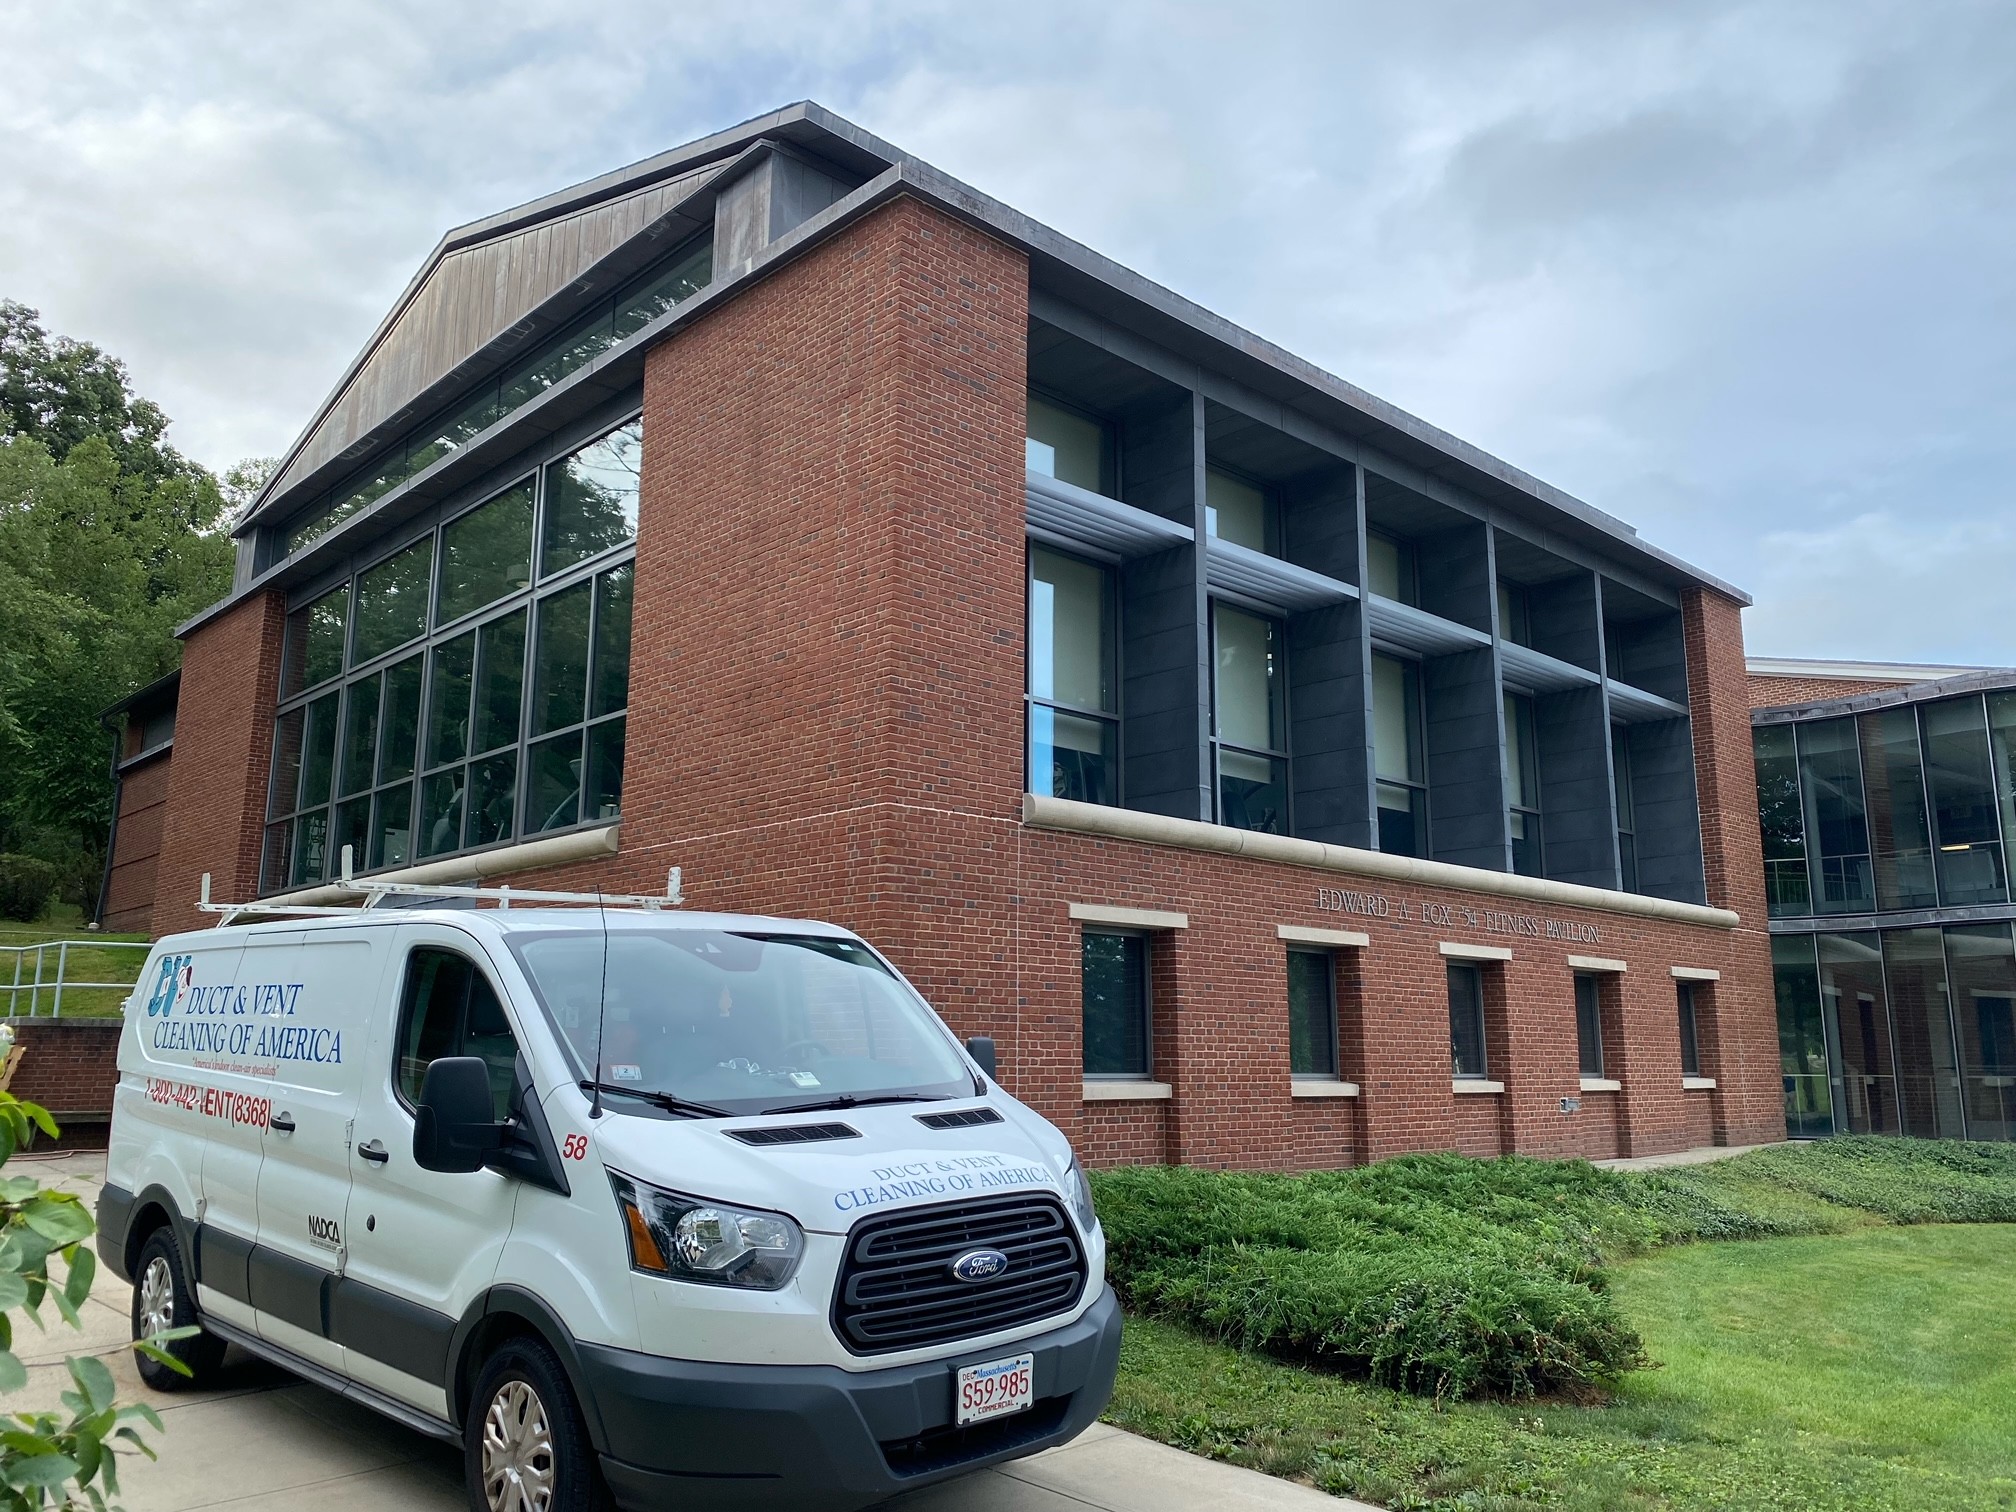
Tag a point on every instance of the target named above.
point(688, 1209)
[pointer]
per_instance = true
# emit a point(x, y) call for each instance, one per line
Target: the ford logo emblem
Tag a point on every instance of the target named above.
point(980, 1265)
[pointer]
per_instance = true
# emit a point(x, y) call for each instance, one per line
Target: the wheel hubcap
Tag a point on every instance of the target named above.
point(157, 1298)
point(517, 1451)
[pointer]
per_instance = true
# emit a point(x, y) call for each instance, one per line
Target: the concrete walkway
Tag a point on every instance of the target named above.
point(1704, 1155)
point(264, 1441)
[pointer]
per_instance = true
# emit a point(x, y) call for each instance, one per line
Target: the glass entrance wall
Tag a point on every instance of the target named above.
point(1914, 970)
point(1802, 1039)
point(1982, 968)
point(1857, 1022)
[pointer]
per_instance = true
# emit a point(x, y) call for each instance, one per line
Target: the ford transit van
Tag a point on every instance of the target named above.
point(681, 1209)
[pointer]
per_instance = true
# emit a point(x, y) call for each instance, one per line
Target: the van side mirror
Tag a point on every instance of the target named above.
point(981, 1048)
point(455, 1128)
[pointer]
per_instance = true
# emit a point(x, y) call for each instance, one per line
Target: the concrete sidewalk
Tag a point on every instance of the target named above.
point(264, 1441)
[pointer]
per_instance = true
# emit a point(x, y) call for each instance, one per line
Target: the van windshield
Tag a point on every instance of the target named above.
point(743, 1023)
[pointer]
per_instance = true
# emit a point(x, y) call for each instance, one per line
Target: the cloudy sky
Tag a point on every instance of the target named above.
point(1741, 273)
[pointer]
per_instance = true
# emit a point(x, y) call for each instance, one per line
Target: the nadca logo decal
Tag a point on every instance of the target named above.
point(324, 1233)
point(176, 973)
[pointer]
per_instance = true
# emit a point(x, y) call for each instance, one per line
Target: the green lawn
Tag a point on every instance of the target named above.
point(86, 963)
point(1872, 1370)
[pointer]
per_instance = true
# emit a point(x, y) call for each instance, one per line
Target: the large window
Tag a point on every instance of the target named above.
point(1074, 691)
point(1312, 1013)
point(1070, 447)
point(1115, 986)
point(1399, 759)
point(1964, 807)
point(441, 700)
point(1627, 820)
point(1786, 886)
point(686, 273)
point(1589, 1024)
point(1467, 1058)
point(1515, 619)
point(1900, 834)
point(1240, 512)
point(1251, 721)
point(1837, 821)
point(1390, 569)
point(1522, 786)
point(449, 1008)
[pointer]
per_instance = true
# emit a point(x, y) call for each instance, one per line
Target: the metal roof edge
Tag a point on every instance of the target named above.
point(1980, 680)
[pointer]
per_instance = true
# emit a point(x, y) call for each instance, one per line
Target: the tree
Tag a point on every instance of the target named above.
point(109, 539)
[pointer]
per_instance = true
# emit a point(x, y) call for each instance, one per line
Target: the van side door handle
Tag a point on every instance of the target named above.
point(375, 1152)
point(284, 1122)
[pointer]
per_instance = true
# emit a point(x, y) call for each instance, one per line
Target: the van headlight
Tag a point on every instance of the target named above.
point(716, 1243)
point(1079, 1191)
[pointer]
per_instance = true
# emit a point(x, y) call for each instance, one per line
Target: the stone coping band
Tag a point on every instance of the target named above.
point(1129, 918)
point(1344, 939)
point(1126, 1091)
point(1461, 950)
point(1043, 812)
point(1696, 974)
point(1595, 963)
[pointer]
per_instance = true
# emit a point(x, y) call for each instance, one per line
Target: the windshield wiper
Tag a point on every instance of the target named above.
point(848, 1100)
point(665, 1100)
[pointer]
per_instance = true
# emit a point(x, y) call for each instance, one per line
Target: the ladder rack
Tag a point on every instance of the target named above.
point(370, 893)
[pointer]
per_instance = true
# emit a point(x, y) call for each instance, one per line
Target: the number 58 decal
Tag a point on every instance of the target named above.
point(575, 1147)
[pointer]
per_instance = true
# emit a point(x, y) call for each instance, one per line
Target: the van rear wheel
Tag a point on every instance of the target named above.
point(163, 1299)
point(524, 1447)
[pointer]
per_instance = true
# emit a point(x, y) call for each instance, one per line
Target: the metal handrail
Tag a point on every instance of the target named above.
point(39, 983)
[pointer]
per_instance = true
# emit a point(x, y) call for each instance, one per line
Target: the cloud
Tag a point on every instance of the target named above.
point(1736, 271)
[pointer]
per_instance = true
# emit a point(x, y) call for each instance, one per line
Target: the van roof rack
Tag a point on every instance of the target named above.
point(369, 893)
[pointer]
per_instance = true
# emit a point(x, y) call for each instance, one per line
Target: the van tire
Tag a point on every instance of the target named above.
point(161, 1288)
point(524, 1421)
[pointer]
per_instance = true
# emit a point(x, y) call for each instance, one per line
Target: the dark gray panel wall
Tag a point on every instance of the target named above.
point(1649, 654)
point(1329, 690)
point(1667, 816)
point(1576, 819)
point(1566, 619)
point(1457, 580)
point(1466, 760)
point(765, 201)
point(1165, 632)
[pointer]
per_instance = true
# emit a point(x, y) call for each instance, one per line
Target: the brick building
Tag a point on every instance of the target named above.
point(1280, 781)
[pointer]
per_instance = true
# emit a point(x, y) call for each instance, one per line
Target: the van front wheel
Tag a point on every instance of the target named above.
point(524, 1447)
point(162, 1300)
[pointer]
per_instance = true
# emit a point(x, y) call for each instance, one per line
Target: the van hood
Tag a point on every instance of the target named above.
point(829, 1185)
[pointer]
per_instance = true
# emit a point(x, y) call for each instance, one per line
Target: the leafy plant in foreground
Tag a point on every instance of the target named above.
point(67, 1459)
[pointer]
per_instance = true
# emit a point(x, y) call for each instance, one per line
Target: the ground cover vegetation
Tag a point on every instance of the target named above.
point(1496, 1336)
point(109, 538)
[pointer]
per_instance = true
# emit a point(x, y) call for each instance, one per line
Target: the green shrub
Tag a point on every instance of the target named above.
point(26, 885)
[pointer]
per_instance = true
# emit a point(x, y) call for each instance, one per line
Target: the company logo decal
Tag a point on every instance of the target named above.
point(979, 1265)
point(176, 973)
point(324, 1233)
point(947, 1177)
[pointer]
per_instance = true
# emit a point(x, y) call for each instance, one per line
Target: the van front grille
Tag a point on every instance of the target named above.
point(897, 1290)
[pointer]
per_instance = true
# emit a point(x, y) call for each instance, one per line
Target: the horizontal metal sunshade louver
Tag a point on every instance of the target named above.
point(897, 1291)
point(782, 1134)
point(963, 1118)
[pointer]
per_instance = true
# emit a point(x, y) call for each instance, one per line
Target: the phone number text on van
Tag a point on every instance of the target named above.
point(212, 1102)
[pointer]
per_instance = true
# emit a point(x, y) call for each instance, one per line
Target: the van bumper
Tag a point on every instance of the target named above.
point(680, 1432)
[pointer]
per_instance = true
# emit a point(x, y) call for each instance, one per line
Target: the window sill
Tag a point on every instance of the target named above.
point(1601, 1084)
point(1697, 1083)
point(1127, 1091)
point(1323, 1089)
point(1474, 1086)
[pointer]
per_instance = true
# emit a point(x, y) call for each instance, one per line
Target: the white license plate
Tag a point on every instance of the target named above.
point(996, 1388)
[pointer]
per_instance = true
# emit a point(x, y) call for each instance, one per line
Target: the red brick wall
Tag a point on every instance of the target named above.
point(136, 846)
point(1770, 692)
point(223, 749)
point(1743, 1014)
point(70, 1067)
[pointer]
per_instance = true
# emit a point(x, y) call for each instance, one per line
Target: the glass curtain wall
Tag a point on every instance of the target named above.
point(1399, 760)
point(1964, 810)
point(1858, 1022)
point(405, 729)
point(1981, 966)
point(1836, 820)
point(1900, 826)
point(1921, 1026)
point(1250, 735)
point(1802, 1038)
point(1074, 685)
